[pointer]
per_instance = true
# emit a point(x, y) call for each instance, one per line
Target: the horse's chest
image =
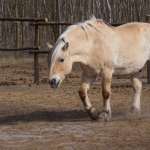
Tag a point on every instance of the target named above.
point(90, 71)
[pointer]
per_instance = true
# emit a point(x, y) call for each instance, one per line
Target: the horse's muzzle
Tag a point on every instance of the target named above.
point(54, 83)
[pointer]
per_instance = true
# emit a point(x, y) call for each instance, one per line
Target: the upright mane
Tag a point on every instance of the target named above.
point(85, 25)
point(55, 53)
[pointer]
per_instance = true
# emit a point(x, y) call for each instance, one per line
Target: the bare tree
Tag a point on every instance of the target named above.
point(109, 8)
point(59, 16)
point(17, 29)
point(63, 10)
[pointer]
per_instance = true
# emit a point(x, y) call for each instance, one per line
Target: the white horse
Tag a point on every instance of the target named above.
point(101, 50)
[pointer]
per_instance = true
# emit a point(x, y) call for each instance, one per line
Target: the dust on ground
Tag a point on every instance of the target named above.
point(34, 116)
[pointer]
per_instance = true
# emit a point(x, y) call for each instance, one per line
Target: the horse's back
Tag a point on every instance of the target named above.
point(136, 30)
point(133, 47)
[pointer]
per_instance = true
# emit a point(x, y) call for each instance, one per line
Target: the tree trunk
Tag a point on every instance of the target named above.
point(59, 16)
point(109, 8)
point(6, 33)
point(17, 30)
point(22, 23)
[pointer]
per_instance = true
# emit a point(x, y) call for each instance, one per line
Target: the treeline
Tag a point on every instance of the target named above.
point(70, 11)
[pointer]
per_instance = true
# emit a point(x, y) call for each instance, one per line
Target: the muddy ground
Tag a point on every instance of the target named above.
point(34, 116)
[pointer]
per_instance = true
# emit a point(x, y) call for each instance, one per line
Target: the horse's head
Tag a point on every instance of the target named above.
point(59, 62)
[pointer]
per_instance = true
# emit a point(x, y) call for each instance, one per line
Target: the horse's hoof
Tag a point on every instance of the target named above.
point(131, 115)
point(93, 113)
point(135, 111)
point(134, 114)
point(103, 117)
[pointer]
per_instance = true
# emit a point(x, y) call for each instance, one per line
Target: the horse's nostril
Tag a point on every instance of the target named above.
point(53, 81)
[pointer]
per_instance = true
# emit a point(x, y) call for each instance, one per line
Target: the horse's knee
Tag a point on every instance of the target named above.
point(106, 88)
point(82, 94)
point(106, 94)
point(138, 86)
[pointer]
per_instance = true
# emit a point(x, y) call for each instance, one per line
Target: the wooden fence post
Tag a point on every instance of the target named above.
point(148, 62)
point(36, 44)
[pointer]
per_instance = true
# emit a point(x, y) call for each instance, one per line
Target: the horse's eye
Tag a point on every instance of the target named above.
point(61, 60)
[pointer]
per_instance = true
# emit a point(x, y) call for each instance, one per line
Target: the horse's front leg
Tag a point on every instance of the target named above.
point(86, 83)
point(106, 91)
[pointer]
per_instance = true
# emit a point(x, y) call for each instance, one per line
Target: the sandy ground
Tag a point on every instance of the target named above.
point(34, 116)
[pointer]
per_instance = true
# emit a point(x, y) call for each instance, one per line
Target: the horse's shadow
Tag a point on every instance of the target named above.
point(54, 116)
point(49, 116)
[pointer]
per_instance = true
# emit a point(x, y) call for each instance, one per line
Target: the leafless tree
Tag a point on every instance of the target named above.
point(13, 34)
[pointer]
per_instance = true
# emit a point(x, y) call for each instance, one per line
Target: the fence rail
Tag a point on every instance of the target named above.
point(19, 49)
point(23, 19)
point(66, 23)
point(39, 52)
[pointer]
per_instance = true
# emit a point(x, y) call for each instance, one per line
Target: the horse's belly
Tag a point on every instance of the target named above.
point(127, 71)
point(130, 62)
point(124, 72)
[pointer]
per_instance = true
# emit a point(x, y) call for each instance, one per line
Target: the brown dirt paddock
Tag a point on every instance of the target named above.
point(34, 116)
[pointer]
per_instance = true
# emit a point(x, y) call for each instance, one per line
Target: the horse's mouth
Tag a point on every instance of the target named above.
point(56, 85)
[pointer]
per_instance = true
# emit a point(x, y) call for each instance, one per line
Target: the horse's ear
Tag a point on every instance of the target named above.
point(65, 47)
point(50, 46)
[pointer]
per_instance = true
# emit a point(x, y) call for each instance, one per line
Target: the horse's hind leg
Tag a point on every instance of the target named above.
point(86, 83)
point(137, 86)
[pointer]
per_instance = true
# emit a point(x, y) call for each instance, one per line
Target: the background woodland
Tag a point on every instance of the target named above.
point(61, 10)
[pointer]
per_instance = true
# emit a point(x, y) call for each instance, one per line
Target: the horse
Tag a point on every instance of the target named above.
point(105, 51)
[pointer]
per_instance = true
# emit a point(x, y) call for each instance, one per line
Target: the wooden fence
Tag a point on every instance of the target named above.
point(35, 49)
point(36, 41)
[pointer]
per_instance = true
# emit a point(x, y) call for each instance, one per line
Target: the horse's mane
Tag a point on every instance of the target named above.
point(56, 52)
point(85, 25)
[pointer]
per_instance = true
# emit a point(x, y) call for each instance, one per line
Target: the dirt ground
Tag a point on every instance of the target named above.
point(34, 116)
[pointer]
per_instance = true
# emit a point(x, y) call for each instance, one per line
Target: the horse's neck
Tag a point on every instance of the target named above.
point(81, 43)
point(79, 49)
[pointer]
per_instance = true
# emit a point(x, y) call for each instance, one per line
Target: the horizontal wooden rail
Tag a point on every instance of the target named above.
point(39, 52)
point(19, 49)
point(51, 23)
point(66, 23)
point(23, 19)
